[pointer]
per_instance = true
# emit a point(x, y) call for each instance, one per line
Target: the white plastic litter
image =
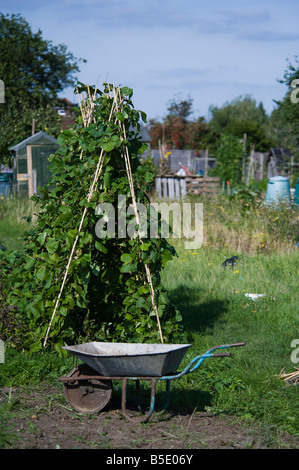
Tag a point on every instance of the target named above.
point(254, 296)
point(181, 172)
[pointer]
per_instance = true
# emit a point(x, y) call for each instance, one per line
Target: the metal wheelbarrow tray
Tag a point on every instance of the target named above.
point(130, 359)
point(88, 387)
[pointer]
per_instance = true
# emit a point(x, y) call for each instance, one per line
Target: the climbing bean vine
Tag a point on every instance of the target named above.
point(106, 296)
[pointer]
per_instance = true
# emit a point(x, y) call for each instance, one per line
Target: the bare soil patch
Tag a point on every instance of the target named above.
point(44, 420)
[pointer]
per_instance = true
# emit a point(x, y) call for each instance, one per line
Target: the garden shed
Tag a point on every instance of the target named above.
point(30, 162)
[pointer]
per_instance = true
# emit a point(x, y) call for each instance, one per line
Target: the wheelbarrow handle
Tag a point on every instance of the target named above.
point(197, 361)
point(223, 346)
point(222, 355)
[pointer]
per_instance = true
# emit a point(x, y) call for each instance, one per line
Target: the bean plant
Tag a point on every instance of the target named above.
point(106, 296)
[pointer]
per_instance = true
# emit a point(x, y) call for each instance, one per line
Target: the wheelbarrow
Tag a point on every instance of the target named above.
point(88, 387)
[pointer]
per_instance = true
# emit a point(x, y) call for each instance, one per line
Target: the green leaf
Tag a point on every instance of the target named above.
point(148, 177)
point(126, 258)
point(65, 213)
point(86, 238)
point(143, 116)
point(36, 346)
point(140, 302)
point(41, 273)
point(95, 269)
point(107, 180)
point(120, 116)
point(144, 289)
point(144, 246)
point(161, 310)
point(41, 238)
point(107, 146)
point(85, 276)
point(154, 256)
point(99, 246)
point(52, 245)
point(178, 316)
point(127, 91)
point(29, 263)
point(34, 310)
point(129, 267)
point(63, 311)
point(54, 259)
point(163, 297)
point(145, 258)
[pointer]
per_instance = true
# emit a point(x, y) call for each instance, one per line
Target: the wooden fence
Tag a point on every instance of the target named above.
point(177, 187)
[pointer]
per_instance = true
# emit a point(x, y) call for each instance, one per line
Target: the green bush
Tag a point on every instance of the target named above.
point(229, 160)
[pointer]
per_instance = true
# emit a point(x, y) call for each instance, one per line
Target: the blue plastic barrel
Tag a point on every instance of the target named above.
point(296, 195)
point(278, 189)
point(5, 184)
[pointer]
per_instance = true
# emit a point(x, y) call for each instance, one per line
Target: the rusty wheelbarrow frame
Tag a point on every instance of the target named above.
point(88, 392)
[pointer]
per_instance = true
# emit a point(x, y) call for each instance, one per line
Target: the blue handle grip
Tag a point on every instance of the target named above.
point(198, 360)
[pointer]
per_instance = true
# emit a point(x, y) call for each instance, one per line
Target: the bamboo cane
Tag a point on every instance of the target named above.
point(126, 157)
point(96, 176)
point(290, 378)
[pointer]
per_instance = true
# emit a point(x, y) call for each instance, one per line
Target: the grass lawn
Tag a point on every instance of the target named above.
point(215, 311)
point(15, 213)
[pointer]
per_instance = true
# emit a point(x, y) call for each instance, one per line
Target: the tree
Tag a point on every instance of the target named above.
point(177, 129)
point(238, 117)
point(285, 118)
point(34, 71)
point(198, 134)
point(282, 132)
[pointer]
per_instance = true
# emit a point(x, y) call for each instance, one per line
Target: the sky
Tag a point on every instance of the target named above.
point(210, 51)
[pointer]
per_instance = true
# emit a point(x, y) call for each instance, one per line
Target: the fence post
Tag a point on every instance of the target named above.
point(2, 352)
point(164, 186)
point(29, 171)
point(206, 162)
point(158, 187)
point(171, 188)
point(183, 187)
point(177, 188)
point(2, 92)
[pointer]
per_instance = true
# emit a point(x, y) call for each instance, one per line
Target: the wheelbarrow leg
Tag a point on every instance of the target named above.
point(167, 389)
point(167, 394)
point(124, 400)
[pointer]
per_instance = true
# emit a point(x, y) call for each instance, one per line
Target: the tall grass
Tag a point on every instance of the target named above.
point(245, 224)
point(250, 225)
point(17, 214)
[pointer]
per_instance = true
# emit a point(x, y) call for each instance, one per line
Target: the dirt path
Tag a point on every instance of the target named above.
point(44, 420)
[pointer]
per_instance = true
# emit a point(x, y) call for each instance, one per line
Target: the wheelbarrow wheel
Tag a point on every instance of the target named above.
point(87, 395)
